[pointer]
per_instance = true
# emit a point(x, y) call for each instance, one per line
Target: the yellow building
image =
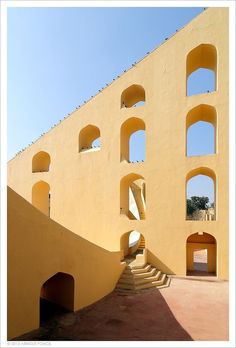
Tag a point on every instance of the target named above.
point(78, 236)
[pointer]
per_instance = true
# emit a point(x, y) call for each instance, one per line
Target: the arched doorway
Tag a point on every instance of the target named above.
point(56, 296)
point(201, 254)
point(132, 243)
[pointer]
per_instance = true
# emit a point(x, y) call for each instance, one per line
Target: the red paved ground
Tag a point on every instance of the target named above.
point(187, 310)
point(201, 307)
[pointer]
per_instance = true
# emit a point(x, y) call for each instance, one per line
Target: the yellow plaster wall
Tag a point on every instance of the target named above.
point(38, 248)
point(85, 187)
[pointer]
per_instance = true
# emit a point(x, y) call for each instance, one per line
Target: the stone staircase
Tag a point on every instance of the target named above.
point(142, 243)
point(136, 278)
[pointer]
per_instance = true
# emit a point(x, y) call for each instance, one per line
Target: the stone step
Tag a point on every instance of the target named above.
point(152, 284)
point(166, 283)
point(137, 269)
point(125, 286)
point(139, 275)
point(132, 288)
point(138, 281)
point(137, 278)
point(145, 280)
point(127, 291)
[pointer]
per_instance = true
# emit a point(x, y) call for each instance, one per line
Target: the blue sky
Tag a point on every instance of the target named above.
point(59, 57)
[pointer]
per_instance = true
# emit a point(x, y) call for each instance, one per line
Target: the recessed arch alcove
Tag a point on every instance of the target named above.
point(130, 128)
point(201, 140)
point(89, 139)
point(41, 162)
point(201, 66)
point(134, 95)
point(41, 197)
point(133, 197)
point(131, 242)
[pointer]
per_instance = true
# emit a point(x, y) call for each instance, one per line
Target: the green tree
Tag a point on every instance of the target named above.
point(201, 203)
point(197, 203)
point(190, 207)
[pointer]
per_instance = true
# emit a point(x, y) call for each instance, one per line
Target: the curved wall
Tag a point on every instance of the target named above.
point(38, 248)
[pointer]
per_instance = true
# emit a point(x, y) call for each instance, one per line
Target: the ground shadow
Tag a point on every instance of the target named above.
point(118, 317)
point(201, 274)
point(50, 311)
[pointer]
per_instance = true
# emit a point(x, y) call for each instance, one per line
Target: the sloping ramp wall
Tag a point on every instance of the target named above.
point(38, 248)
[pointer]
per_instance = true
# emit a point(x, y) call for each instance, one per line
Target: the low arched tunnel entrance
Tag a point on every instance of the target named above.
point(56, 296)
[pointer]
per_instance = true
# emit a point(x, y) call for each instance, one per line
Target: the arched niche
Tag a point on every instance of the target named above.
point(41, 162)
point(133, 197)
point(201, 113)
point(41, 197)
point(132, 95)
point(88, 137)
point(201, 60)
point(131, 242)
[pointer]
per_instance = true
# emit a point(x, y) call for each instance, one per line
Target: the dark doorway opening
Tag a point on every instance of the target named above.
point(56, 297)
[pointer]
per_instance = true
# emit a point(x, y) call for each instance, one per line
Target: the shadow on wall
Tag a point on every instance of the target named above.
point(142, 317)
point(42, 252)
point(153, 260)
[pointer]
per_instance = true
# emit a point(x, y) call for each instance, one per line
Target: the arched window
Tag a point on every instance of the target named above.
point(56, 295)
point(41, 197)
point(201, 254)
point(89, 139)
point(201, 69)
point(132, 140)
point(200, 195)
point(133, 96)
point(132, 242)
point(201, 130)
point(41, 162)
point(133, 197)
